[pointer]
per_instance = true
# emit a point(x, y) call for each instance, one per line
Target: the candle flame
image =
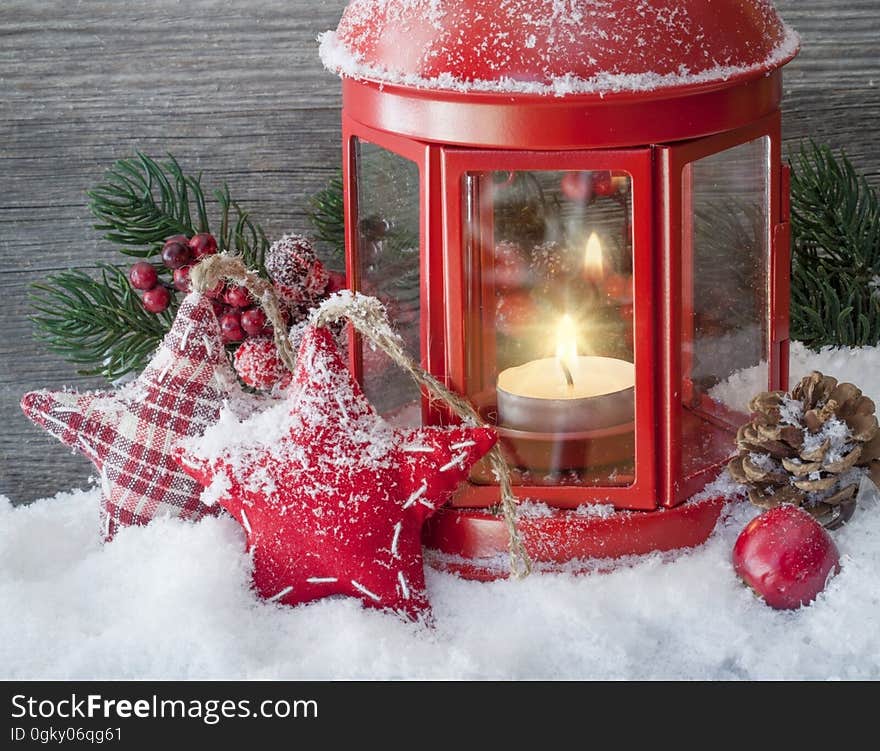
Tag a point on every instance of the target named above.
point(594, 262)
point(566, 346)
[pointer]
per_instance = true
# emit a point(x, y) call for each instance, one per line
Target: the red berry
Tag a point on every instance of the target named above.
point(176, 253)
point(230, 327)
point(253, 321)
point(203, 244)
point(237, 297)
point(577, 186)
point(181, 278)
point(143, 276)
point(785, 556)
point(336, 282)
point(157, 299)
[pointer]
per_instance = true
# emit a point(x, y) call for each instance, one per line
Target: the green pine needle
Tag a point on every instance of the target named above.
point(835, 251)
point(98, 323)
point(142, 203)
point(327, 216)
point(239, 234)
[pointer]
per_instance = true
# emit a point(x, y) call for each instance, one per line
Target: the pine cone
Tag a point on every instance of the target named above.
point(809, 448)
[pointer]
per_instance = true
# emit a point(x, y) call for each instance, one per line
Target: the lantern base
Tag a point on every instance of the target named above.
point(473, 543)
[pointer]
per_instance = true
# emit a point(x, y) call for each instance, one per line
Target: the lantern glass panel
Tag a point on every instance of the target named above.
point(725, 296)
point(388, 267)
point(549, 322)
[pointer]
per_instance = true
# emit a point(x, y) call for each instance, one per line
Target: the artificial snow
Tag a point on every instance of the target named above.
point(858, 365)
point(549, 18)
point(173, 600)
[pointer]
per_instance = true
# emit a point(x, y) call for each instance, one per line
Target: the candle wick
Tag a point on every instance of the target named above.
point(568, 377)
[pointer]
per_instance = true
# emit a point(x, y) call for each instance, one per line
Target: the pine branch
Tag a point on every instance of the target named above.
point(835, 251)
point(327, 216)
point(99, 324)
point(823, 314)
point(142, 203)
point(239, 234)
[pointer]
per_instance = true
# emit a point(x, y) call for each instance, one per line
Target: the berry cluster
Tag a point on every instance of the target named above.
point(179, 253)
point(300, 280)
point(238, 314)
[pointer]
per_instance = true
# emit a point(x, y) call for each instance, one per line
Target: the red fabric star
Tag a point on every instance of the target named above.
point(128, 434)
point(334, 503)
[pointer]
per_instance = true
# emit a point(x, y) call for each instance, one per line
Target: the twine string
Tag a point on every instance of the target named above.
point(368, 317)
point(215, 270)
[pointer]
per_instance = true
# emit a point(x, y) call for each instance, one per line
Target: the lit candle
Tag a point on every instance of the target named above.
point(594, 261)
point(568, 393)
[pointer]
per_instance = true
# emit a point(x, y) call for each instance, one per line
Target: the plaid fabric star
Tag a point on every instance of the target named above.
point(129, 434)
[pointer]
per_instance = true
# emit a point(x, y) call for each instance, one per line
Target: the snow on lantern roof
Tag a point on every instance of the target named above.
point(557, 47)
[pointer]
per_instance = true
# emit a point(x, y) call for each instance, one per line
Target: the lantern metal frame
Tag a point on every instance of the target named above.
point(650, 135)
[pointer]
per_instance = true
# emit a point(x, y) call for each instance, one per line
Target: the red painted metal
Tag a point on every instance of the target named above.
point(652, 135)
point(781, 304)
point(537, 41)
point(431, 283)
point(673, 227)
point(474, 543)
point(571, 122)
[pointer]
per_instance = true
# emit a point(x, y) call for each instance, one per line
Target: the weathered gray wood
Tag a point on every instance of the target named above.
point(235, 89)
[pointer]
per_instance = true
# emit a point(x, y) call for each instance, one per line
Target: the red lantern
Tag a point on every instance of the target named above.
point(647, 294)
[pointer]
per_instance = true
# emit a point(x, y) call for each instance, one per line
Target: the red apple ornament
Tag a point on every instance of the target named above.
point(785, 556)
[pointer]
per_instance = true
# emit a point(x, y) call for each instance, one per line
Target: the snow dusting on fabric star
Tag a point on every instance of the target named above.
point(332, 498)
point(129, 434)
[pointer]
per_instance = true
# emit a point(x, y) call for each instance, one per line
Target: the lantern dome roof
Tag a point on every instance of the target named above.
point(558, 47)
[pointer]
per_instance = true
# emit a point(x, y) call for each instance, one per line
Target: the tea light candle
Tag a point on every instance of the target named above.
point(569, 393)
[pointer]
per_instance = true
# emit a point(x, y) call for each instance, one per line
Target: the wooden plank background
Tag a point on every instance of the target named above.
point(235, 89)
